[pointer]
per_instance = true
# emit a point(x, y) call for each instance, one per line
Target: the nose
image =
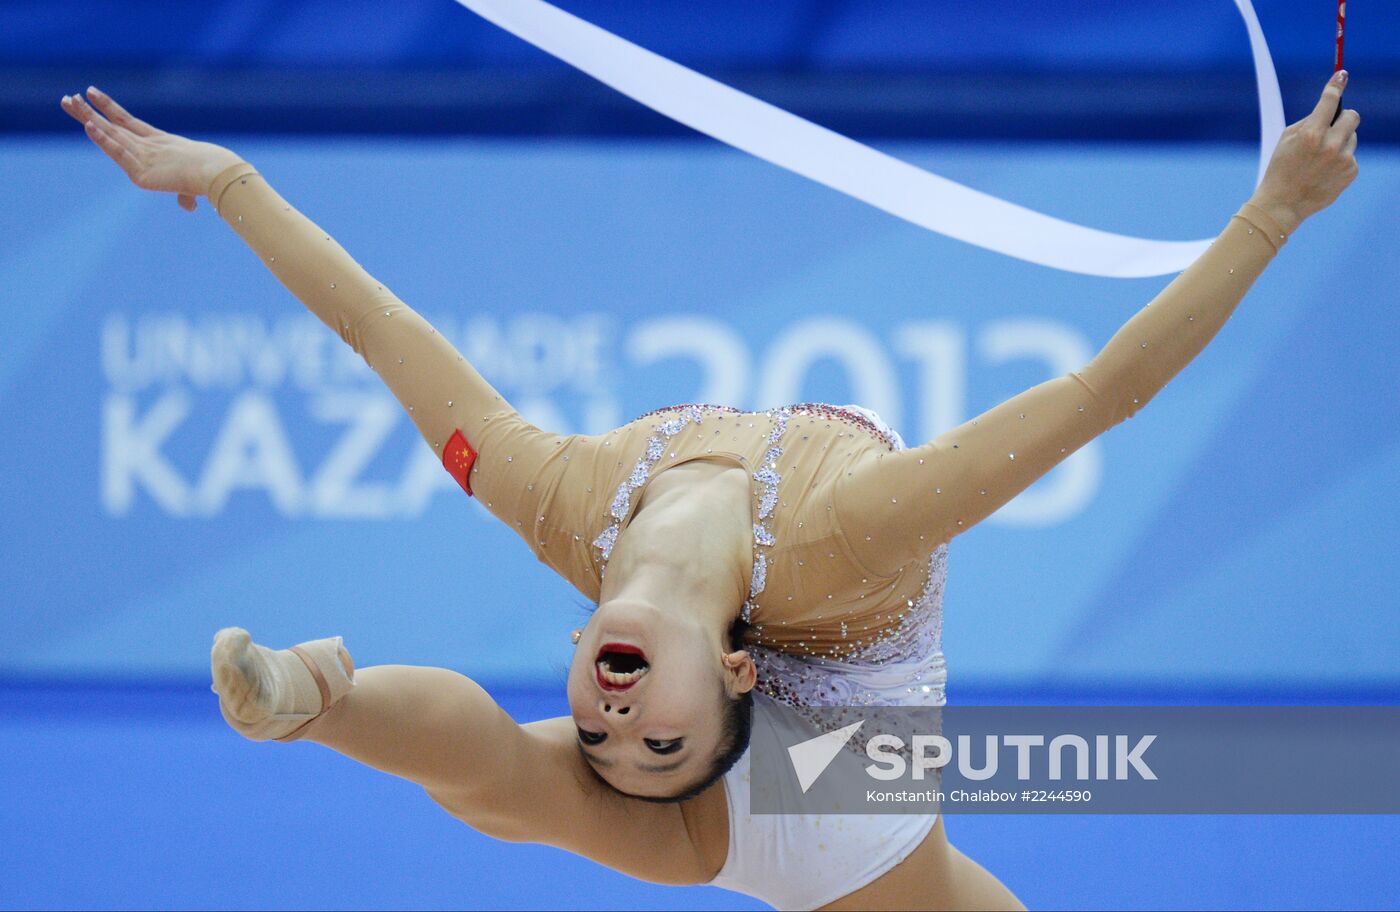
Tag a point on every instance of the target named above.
point(615, 710)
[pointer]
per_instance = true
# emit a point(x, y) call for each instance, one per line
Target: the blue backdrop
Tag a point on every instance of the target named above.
point(915, 34)
point(181, 448)
point(185, 449)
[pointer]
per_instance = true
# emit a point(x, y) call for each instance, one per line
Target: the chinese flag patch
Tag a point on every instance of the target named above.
point(457, 459)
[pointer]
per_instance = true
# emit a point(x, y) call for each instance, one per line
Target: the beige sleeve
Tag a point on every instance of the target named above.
point(896, 507)
point(521, 473)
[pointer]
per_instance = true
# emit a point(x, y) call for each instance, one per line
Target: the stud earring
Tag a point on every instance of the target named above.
point(575, 637)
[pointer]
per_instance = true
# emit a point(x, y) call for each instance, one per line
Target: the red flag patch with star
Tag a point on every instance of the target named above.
point(457, 459)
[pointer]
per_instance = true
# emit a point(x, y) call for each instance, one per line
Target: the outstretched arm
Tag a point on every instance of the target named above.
point(896, 507)
point(439, 389)
point(517, 468)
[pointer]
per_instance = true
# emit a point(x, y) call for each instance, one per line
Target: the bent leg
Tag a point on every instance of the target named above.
point(428, 725)
point(442, 731)
point(418, 723)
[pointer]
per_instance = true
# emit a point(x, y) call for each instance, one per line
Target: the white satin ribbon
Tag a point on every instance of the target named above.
point(841, 163)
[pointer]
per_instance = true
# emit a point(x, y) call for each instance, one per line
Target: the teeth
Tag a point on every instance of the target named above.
point(619, 678)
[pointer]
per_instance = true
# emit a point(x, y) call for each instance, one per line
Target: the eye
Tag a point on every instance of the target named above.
point(664, 747)
point(591, 738)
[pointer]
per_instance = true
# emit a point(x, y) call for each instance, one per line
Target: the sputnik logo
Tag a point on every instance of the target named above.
point(810, 758)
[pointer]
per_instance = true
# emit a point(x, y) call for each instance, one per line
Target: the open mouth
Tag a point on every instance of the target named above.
point(619, 666)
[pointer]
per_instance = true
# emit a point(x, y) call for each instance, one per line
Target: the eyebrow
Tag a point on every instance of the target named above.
point(644, 767)
point(592, 758)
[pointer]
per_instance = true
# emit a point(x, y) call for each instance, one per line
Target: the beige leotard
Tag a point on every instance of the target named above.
point(843, 524)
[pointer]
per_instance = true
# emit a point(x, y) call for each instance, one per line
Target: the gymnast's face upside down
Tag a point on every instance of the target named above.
point(662, 708)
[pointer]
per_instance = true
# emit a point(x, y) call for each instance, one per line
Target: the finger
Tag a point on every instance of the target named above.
point(1347, 122)
point(85, 113)
point(115, 150)
point(187, 202)
point(117, 114)
point(70, 107)
point(1327, 104)
point(84, 109)
point(80, 109)
point(1349, 147)
point(116, 134)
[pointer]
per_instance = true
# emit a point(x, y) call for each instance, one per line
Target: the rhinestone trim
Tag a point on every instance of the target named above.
point(766, 480)
point(903, 667)
point(835, 412)
point(900, 665)
point(655, 449)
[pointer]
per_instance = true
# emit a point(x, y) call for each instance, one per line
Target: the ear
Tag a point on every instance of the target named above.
point(741, 674)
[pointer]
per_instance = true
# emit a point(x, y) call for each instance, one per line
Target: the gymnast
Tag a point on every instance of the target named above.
point(740, 562)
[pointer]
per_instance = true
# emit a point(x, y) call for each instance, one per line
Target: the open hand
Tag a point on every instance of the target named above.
point(152, 158)
point(1314, 162)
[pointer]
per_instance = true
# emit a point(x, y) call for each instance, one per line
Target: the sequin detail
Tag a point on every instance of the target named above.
point(766, 479)
point(655, 448)
point(895, 660)
point(899, 664)
point(836, 413)
point(902, 666)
